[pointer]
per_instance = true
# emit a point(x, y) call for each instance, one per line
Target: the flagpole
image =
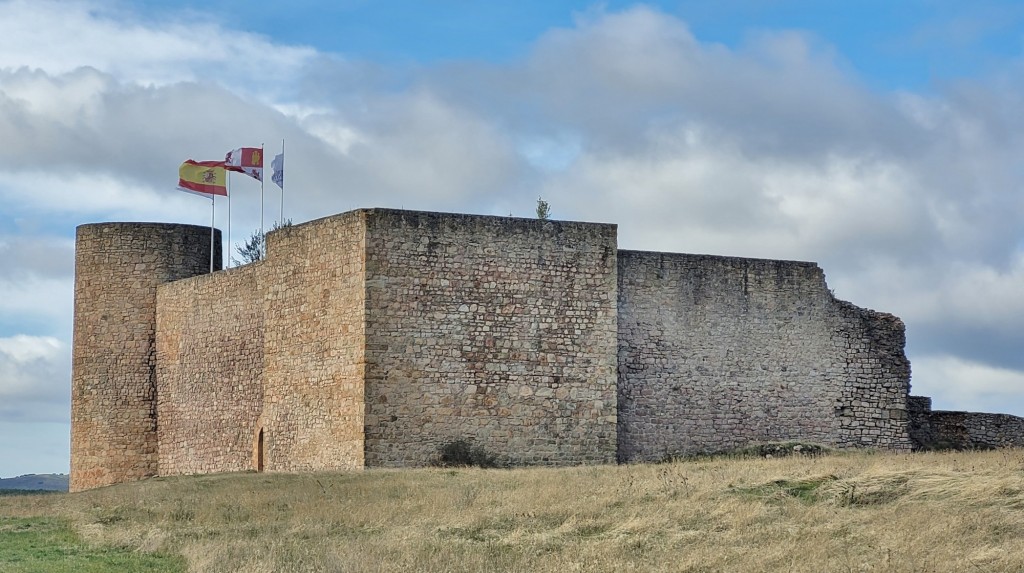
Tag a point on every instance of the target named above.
point(213, 202)
point(229, 219)
point(282, 182)
point(261, 196)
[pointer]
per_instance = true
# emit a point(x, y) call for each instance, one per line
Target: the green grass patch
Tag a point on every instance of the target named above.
point(44, 544)
point(806, 490)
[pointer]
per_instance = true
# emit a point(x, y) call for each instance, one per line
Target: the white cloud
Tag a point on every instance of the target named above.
point(99, 194)
point(37, 303)
point(24, 256)
point(35, 379)
point(957, 384)
point(59, 37)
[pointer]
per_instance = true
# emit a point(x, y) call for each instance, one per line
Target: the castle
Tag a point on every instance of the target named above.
point(374, 337)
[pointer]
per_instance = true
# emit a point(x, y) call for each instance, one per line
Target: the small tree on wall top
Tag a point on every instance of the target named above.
point(255, 248)
point(543, 209)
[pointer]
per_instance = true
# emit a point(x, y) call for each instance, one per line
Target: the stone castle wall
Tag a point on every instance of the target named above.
point(113, 384)
point(719, 352)
point(941, 429)
point(876, 379)
point(242, 385)
point(313, 345)
point(210, 371)
point(495, 330)
point(374, 337)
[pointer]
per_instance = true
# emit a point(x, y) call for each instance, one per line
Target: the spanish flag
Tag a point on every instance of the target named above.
point(203, 177)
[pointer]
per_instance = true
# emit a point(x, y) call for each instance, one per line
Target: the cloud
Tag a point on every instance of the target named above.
point(34, 379)
point(60, 37)
point(42, 447)
point(120, 128)
point(36, 287)
point(957, 384)
point(26, 256)
point(616, 75)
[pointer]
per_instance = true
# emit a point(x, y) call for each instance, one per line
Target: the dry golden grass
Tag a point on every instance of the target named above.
point(849, 512)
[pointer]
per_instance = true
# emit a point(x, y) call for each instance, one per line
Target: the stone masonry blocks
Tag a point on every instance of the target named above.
point(720, 352)
point(314, 345)
point(118, 267)
point(210, 371)
point(495, 330)
point(374, 337)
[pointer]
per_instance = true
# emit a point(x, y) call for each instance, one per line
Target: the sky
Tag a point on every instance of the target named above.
point(881, 139)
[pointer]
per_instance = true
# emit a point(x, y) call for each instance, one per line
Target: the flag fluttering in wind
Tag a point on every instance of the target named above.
point(248, 160)
point(207, 178)
point(278, 166)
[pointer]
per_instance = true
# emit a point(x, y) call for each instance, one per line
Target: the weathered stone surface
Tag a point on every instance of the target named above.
point(720, 352)
point(374, 337)
point(941, 429)
point(209, 371)
point(313, 344)
point(113, 385)
point(490, 329)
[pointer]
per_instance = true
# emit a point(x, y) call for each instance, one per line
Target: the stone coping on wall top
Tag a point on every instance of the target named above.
point(639, 253)
point(149, 224)
point(410, 214)
point(924, 404)
point(962, 413)
point(228, 273)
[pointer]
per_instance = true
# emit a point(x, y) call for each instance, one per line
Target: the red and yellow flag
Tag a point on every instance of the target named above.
point(203, 177)
point(248, 160)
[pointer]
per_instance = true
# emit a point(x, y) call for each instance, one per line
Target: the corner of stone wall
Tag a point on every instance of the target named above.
point(499, 331)
point(314, 351)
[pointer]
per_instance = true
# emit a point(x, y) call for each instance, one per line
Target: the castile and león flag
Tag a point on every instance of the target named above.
point(248, 160)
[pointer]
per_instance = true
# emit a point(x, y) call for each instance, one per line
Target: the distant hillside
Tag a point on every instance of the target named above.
point(48, 482)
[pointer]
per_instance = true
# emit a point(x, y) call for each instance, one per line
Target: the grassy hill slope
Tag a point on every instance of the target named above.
point(849, 512)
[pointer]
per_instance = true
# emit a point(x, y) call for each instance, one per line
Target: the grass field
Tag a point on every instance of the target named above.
point(844, 512)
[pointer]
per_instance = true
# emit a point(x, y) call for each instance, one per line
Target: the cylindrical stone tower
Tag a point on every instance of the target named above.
point(113, 388)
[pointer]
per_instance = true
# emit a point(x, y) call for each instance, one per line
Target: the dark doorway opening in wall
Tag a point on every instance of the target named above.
point(259, 451)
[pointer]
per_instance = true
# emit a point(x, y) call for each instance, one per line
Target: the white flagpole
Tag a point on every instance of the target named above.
point(213, 202)
point(229, 219)
point(282, 181)
point(261, 196)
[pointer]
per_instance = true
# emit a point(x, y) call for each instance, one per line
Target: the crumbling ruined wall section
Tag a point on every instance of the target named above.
point(944, 430)
point(495, 330)
point(313, 345)
point(872, 409)
point(113, 388)
point(209, 350)
point(923, 435)
point(719, 352)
